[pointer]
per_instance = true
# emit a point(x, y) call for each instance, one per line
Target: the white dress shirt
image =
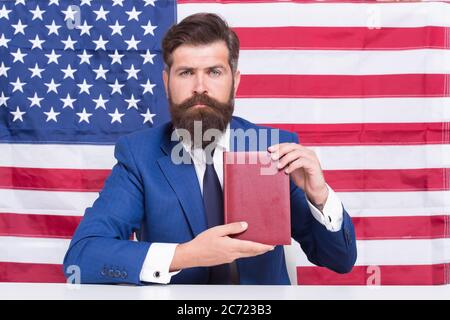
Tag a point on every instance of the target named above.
point(159, 256)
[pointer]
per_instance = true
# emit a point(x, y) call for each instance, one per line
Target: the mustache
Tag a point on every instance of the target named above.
point(201, 98)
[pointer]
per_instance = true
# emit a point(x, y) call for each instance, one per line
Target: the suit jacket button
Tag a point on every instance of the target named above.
point(111, 273)
point(104, 271)
point(124, 274)
point(156, 274)
point(117, 274)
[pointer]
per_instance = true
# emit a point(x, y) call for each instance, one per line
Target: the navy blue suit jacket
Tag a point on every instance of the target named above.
point(161, 201)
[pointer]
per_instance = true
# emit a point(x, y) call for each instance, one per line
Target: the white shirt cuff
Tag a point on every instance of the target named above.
point(157, 263)
point(332, 214)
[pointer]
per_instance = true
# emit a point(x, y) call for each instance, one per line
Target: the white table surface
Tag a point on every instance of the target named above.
point(45, 291)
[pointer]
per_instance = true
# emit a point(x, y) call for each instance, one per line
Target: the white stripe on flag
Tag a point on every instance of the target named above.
point(318, 14)
point(373, 204)
point(370, 204)
point(68, 156)
point(46, 202)
point(344, 62)
point(394, 252)
point(314, 111)
point(372, 252)
point(332, 158)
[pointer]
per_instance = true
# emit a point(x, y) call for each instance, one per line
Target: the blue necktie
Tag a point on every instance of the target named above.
point(213, 202)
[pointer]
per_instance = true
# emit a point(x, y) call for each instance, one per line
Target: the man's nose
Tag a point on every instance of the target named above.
point(200, 85)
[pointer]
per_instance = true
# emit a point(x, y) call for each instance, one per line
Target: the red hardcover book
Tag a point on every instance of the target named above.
point(255, 191)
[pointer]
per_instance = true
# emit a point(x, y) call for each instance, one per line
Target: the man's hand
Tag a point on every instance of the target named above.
point(304, 168)
point(214, 247)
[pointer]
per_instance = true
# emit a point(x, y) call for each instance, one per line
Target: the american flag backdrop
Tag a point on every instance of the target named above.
point(365, 84)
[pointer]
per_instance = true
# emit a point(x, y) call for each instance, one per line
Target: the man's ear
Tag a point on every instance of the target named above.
point(165, 75)
point(237, 79)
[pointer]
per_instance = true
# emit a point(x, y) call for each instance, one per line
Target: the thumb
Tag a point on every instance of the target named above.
point(232, 228)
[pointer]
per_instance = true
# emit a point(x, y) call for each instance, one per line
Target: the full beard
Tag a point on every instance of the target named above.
point(213, 115)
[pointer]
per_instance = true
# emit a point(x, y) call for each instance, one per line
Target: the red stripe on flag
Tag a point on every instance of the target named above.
point(366, 133)
point(52, 179)
point(38, 226)
point(340, 38)
point(350, 86)
point(365, 275)
point(31, 272)
point(414, 227)
point(388, 179)
point(339, 180)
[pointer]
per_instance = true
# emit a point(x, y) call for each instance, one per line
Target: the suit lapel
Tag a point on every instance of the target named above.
point(183, 180)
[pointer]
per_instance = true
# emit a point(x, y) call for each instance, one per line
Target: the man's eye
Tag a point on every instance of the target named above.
point(186, 73)
point(215, 73)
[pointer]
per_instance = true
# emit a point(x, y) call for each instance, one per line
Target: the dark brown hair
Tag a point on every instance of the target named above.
point(201, 29)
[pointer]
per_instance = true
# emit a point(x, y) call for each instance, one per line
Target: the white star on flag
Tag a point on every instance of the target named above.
point(3, 99)
point(101, 73)
point(3, 70)
point(52, 86)
point(117, 3)
point(100, 43)
point(148, 87)
point(68, 102)
point(133, 14)
point(68, 44)
point(36, 71)
point(17, 114)
point(19, 27)
point(18, 85)
point(100, 102)
point(149, 2)
point(148, 116)
point(37, 43)
point(116, 116)
point(51, 115)
point(68, 72)
point(116, 28)
point(37, 13)
point(101, 14)
point(132, 103)
point(53, 57)
point(85, 28)
point(148, 57)
point(116, 87)
point(132, 72)
point(4, 41)
point(4, 13)
point(53, 28)
point(69, 14)
point(132, 43)
point(84, 116)
point(18, 56)
point(35, 100)
point(116, 57)
point(148, 29)
point(84, 87)
point(85, 57)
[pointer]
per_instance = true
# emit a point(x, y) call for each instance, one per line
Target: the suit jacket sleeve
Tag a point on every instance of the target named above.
point(334, 250)
point(101, 246)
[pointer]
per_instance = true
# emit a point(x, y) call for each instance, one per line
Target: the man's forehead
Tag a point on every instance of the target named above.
point(214, 53)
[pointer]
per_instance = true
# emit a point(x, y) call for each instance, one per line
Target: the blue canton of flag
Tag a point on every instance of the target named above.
point(82, 71)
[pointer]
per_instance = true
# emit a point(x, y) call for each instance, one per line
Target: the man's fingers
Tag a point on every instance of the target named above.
point(231, 228)
point(249, 248)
